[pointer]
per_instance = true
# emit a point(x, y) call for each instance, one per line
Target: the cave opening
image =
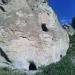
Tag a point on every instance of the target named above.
point(32, 66)
point(44, 28)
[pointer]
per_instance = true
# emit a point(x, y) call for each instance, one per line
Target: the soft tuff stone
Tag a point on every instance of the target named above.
point(30, 32)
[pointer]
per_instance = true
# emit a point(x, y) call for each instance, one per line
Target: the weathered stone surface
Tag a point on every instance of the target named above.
point(30, 32)
point(69, 29)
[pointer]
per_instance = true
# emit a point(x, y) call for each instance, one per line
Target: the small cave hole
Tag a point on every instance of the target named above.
point(60, 56)
point(44, 28)
point(2, 8)
point(32, 66)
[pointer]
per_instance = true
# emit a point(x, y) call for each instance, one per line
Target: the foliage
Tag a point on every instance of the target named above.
point(8, 71)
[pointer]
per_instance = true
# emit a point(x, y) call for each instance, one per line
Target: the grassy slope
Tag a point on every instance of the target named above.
point(63, 67)
point(7, 71)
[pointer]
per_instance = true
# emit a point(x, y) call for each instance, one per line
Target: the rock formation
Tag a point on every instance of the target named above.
point(70, 30)
point(30, 35)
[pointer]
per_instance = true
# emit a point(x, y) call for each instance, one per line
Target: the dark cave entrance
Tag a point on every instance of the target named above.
point(44, 28)
point(32, 66)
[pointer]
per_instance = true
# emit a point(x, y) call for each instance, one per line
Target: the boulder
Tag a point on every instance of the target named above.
point(70, 30)
point(30, 35)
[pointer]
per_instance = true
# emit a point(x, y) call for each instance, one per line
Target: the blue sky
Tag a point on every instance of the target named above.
point(65, 9)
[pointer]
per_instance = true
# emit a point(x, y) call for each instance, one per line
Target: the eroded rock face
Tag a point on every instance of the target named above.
point(70, 30)
point(30, 32)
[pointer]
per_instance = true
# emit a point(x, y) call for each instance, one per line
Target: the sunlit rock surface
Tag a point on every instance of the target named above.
point(30, 32)
point(70, 30)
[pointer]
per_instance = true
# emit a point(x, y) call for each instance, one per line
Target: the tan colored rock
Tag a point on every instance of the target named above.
point(30, 32)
